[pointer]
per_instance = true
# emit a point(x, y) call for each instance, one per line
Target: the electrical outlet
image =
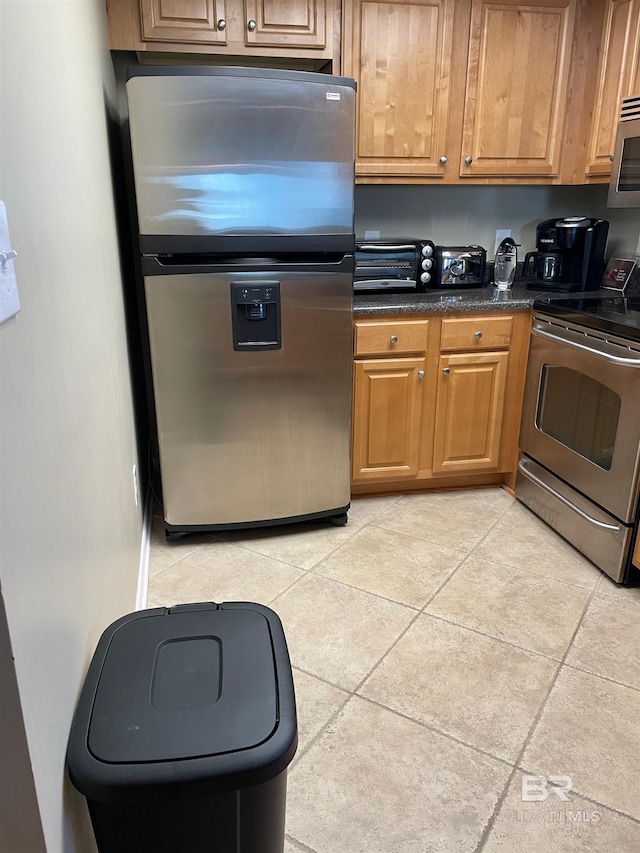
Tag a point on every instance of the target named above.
point(136, 493)
point(500, 235)
point(9, 301)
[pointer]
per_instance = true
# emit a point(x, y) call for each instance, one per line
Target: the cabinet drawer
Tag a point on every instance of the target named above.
point(387, 337)
point(476, 333)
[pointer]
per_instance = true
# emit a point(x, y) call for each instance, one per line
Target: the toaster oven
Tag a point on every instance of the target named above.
point(395, 266)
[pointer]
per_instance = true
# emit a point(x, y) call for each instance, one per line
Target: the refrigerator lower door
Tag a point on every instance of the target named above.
point(252, 376)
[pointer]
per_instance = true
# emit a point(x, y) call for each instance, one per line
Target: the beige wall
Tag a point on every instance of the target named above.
point(462, 215)
point(20, 825)
point(70, 530)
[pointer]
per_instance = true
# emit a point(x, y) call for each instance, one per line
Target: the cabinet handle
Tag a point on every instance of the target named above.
point(443, 160)
point(394, 339)
point(251, 26)
point(468, 160)
point(421, 374)
point(222, 24)
point(477, 335)
point(446, 370)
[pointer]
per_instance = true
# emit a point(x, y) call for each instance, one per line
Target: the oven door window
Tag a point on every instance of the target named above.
point(579, 412)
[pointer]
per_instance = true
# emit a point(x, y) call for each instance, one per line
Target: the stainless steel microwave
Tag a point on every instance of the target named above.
point(624, 188)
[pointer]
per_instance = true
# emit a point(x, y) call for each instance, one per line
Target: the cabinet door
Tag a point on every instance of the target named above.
point(469, 412)
point(386, 417)
point(617, 73)
point(290, 23)
point(184, 21)
point(517, 76)
point(400, 54)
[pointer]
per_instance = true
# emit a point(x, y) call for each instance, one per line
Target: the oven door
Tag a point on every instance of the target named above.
point(580, 416)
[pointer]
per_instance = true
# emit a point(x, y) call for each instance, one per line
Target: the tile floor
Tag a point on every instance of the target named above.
point(443, 646)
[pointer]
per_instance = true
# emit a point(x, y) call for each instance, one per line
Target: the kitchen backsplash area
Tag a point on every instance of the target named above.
point(472, 215)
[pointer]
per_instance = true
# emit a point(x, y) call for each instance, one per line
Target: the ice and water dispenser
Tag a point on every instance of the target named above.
point(255, 315)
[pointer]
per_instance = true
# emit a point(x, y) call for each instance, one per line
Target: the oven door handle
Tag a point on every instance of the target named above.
point(386, 247)
point(557, 336)
point(522, 467)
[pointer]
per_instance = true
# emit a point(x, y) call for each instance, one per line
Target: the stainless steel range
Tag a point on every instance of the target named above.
point(579, 469)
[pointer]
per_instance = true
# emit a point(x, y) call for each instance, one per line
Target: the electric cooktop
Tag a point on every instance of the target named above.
point(619, 315)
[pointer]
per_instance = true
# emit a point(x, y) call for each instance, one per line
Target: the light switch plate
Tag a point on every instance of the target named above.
point(9, 300)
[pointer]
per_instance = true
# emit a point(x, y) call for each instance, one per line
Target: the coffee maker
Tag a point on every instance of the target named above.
point(569, 254)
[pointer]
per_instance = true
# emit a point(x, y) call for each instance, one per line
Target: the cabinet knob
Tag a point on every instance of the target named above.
point(468, 160)
point(446, 370)
point(443, 159)
point(421, 374)
point(222, 24)
point(394, 339)
point(477, 335)
point(251, 26)
point(611, 157)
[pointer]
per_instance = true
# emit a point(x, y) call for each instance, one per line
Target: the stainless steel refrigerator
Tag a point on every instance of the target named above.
point(244, 183)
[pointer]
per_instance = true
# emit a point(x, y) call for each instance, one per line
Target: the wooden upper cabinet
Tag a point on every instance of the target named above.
point(184, 20)
point(517, 76)
point(269, 28)
point(289, 22)
point(618, 78)
point(400, 55)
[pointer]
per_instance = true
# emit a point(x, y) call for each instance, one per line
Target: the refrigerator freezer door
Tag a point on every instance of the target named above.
point(263, 432)
point(236, 154)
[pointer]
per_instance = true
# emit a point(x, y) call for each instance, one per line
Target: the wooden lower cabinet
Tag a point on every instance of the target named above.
point(469, 412)
point(387, 416)
point(443, 412)
point(636, 554)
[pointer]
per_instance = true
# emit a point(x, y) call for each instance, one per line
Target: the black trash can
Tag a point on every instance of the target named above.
point(184, 730)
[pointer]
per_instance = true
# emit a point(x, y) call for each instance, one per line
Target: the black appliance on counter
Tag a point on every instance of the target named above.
point(569, 254)
point(401, 265)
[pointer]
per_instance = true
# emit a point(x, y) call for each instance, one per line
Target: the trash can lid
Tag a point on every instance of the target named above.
point(205, 688)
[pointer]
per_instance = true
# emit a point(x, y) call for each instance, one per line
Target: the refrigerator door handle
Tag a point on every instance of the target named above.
point(153, 265)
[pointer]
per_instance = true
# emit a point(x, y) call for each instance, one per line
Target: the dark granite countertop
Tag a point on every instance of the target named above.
point(468, 299)
point(486, 298)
